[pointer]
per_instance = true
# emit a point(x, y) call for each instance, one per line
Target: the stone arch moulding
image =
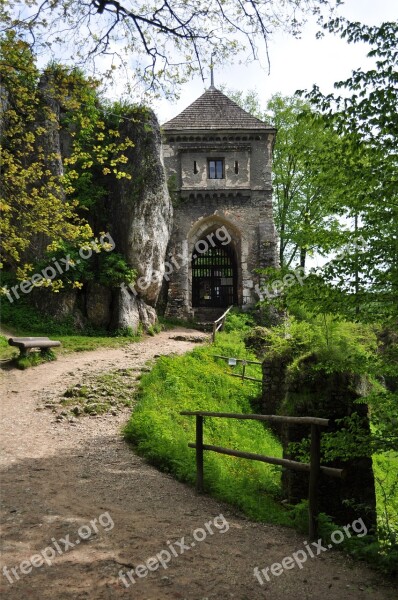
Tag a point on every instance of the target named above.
point(206, 226)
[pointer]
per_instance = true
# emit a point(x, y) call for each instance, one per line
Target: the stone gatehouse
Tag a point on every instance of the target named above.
point(218, 161)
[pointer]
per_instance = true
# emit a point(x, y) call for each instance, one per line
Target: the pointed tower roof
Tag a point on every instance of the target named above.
point(214, 110)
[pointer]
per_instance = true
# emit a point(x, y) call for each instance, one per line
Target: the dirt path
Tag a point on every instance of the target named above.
point(81, 480)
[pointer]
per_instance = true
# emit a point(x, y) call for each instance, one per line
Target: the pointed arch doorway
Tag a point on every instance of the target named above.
point(214, 275)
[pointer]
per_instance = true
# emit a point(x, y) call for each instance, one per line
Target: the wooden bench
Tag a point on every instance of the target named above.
point(27, 343)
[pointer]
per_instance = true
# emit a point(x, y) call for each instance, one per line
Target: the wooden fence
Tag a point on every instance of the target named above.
point(244, 362)
point(314, 468)
point(219, 324)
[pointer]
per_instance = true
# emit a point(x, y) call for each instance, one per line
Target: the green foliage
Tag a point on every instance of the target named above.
point(338, 345)
point(365, 115)
point(44, 193)
point(198, 382)
point(23, 317)
point(303, 187)
point(238, 321)
point(114, 270)
point(32, 193)
point(350, 441)
point(154, 329)
point(173, 192)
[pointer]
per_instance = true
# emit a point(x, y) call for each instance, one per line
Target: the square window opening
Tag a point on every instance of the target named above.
point(216, 168)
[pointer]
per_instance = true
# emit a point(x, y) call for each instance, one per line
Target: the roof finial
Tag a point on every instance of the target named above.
point(212, 72)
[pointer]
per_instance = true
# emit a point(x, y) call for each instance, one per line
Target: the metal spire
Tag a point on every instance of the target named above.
point(211, 73)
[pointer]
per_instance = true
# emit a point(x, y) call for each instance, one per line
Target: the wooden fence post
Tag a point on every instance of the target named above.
point(314, 481)
point(244, 369)
point(214, 332)
point(199, 454)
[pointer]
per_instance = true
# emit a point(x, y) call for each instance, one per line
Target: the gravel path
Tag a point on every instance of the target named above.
point(62, 482)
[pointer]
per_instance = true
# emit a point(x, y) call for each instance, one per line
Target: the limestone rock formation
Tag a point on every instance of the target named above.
point(140, 221)
point(137, 213)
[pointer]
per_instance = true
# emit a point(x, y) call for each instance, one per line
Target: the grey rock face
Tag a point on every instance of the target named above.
point(141, 209)
point(130, 311)
point(139, 220)
point(98, 304)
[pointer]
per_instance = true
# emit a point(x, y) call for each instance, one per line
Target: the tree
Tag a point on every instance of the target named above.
point(367, 115)
point(45, 195)
point(303, 182)
point(303, 176)
point(166, 41)
point(32, 195)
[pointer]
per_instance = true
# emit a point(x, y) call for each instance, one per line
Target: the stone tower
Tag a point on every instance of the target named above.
point(218, 161)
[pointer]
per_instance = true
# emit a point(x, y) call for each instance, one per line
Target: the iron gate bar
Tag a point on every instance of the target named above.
point(208, 270)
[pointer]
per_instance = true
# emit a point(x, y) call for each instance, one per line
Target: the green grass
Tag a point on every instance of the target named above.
point(6, 351)
point(32, 359)
point(385, 469)
point(23, 320)
point(196, 381)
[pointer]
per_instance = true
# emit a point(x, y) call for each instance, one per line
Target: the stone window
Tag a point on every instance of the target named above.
point(216, 168)
point(236, 167)
point(195, 167)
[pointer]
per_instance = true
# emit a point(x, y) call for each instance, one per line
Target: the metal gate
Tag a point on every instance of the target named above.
point(214, 276)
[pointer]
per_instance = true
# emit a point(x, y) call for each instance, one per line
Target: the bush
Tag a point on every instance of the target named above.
point(238, 321)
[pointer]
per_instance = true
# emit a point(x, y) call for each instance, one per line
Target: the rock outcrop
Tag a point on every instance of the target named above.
point(137, 213)
point(140, 219)
point(310, 391)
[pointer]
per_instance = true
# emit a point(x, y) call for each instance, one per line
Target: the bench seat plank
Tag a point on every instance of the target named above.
point(26, 343)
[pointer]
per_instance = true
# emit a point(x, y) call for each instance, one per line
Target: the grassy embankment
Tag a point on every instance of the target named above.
point(197, 381)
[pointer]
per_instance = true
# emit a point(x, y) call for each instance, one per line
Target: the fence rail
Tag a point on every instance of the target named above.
point(219, 324)
point(314, 468)
point(244, 362)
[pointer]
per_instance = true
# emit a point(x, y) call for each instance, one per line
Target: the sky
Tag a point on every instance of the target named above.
point(295, 63)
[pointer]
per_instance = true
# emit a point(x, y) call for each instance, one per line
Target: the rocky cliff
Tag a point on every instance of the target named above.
point(136, 212)
point(140, 222)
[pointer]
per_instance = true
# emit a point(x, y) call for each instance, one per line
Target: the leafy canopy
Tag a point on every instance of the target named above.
point(162, 42)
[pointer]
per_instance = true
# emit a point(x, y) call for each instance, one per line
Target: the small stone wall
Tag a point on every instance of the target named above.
point(308, 392)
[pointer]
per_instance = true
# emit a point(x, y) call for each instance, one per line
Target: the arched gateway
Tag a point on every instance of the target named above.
point(218, 163)
point(214, 276)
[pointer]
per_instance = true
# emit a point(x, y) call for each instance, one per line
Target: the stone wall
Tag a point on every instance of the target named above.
point(310, 392)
